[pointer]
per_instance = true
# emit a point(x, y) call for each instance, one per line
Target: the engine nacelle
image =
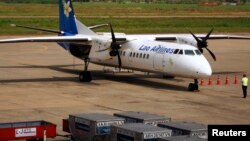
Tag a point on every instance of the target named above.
point(187, 40)
point(100, 49)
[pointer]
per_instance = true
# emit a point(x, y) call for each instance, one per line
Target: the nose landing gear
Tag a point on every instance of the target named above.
point(193, 86)
point(85, 76)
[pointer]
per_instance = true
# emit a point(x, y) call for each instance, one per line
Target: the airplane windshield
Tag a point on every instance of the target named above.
point(189, 52)
point(197, 52)
point(180, 52)
point(176, 51)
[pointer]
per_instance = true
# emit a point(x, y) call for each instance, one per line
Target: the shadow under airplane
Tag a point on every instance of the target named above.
point(135, 79)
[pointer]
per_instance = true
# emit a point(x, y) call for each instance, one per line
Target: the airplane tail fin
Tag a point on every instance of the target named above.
point(69, 25)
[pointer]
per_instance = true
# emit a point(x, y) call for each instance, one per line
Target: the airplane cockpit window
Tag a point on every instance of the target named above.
point(176, 51)
point(189, 52)
point(180, 52)
point(197, 52)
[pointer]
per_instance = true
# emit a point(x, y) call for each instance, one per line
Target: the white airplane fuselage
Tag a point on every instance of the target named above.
point(153, 56)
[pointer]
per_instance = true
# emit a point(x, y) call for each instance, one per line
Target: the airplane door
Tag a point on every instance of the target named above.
point(158, 61)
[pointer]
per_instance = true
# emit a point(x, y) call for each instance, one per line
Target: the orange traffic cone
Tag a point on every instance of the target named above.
point(236, 81)
point(218, 81)
point(202, 82)
point(210, 82)
point(227, 80)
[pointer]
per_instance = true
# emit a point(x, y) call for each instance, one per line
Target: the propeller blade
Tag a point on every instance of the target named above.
point(196, 38)
point(112, 33)
point(201, 50)
point(202, 43)
point(207, 37)
point(115, 47)
point(211, 53)
point(119, 60)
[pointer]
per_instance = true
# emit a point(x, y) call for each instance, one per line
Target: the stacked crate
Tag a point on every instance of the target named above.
point(141, 117)
point(186, 128)
point(138, 132)
point(181, 138)
point(92, 126)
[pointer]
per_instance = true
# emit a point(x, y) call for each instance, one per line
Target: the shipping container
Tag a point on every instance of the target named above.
point(182, 138)
point(186, 128)
point(138, 132)
point(141, 117)
point(28, 130)
point(92, 126)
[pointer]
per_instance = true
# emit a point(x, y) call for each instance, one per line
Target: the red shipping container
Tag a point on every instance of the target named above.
point(27, 130)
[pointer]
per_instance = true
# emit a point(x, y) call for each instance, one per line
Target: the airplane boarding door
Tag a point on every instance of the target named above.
point(159, 61)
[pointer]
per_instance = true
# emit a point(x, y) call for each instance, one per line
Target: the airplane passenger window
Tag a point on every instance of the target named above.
point(180, 52)
point(144, 55)
point(176, 51)
point(137, 54)
point(130, 55)
point(197, 52)
point(189, 52)
point(147, 56)
point(140, 55)
point(124, 53)
point(133, 54)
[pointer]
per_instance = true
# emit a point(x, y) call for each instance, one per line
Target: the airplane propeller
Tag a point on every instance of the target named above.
point(115, 48)
point(202, 43)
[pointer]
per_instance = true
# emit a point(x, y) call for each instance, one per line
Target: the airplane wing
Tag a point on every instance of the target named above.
point(174, 37)
point(169, 37)
point(49, 39)
point(211, 37)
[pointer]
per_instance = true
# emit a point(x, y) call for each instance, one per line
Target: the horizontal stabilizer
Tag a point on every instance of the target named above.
point(97, 26)
point(40, 29)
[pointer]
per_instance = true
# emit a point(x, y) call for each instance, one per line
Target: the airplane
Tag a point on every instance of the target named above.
point(147, 53)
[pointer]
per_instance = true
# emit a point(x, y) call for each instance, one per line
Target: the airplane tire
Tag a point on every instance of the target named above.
point(85, 76)
point(192, 87)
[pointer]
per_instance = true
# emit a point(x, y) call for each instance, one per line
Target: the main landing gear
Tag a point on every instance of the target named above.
point(85, 76)
point(194, 86)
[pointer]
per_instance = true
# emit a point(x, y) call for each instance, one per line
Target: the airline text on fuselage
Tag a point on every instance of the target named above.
point(158, 49)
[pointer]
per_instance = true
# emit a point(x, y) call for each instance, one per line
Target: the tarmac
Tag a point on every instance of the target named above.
point(39, 81)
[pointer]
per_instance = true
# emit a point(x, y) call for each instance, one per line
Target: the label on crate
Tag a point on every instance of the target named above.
point(154, 135)
point(199, 134)
point(108, 123)
point(155, 122)
point(25, 132)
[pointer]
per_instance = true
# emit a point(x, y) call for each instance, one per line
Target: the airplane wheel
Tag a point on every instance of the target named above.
point(193, 87)
point(85, 76)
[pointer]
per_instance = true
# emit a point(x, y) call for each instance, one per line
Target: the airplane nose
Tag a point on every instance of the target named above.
point(205, 70)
